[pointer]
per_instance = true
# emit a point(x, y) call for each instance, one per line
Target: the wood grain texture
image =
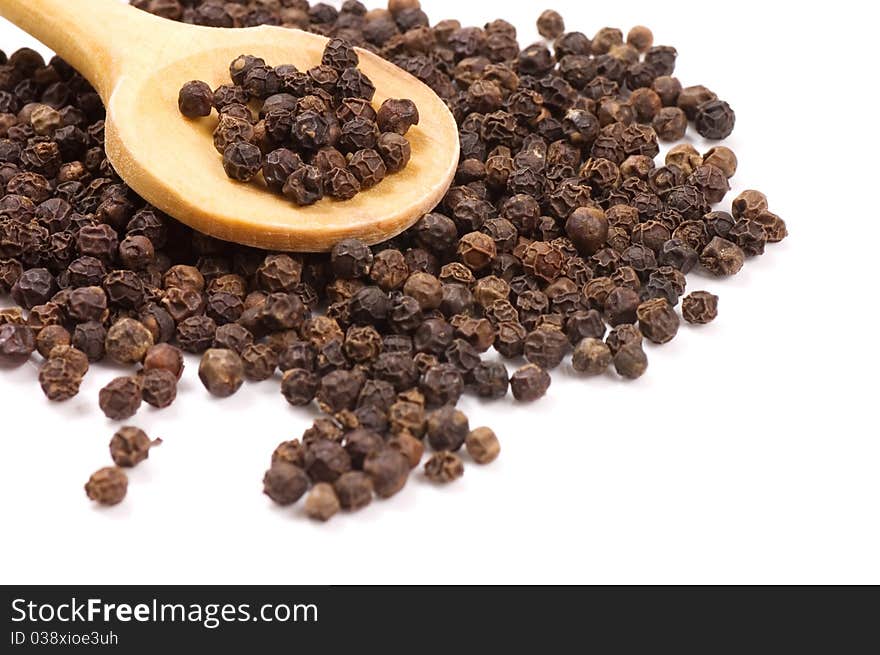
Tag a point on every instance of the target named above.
point(138, 62)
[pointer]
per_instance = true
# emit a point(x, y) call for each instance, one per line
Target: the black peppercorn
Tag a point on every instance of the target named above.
point(196, 99)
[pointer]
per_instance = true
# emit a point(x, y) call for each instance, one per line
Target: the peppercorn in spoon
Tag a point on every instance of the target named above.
point(138, 62)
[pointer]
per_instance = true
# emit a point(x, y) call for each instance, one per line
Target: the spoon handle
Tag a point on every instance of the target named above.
point(97, 37)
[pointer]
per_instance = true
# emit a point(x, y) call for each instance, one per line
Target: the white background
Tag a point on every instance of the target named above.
point(747, 454)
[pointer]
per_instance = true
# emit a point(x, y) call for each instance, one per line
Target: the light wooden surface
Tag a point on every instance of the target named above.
point(138, 62)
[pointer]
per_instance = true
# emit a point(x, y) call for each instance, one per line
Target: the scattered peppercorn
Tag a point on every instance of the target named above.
point(130, 446)
point(285, 483)
point(699, 307)
point(550, 24)
point(529, 383)
point(482, 445)
point(444, 466)
point(107, 486)
point(121, 398)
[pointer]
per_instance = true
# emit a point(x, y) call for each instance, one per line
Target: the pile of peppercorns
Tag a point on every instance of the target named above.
point(323, 116)
point(560, 225)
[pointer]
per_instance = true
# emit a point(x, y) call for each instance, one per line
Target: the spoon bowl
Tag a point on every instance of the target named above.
point(138, 62)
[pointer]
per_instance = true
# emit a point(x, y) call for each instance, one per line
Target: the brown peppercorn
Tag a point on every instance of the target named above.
point(107, 486)
point(59, 379)
point(774, 227)
point(591, 356)
point(130, 446)
point(166, 357)
point(389, 270)
point(158, 387)
point(721, 257)
point(360, 443)
point(640, 37)
point(749, 204)
point(221, 371)
point(447, 428)
point(259, 361)
point(700, 307)
point(691, 98)
point(412, 448)
point(196, 333)
point(305, 186)
point(368, 167)
point(136, 252)
point(658, 320)
point(339, 390)
point(622, 335)
point(426, 289)
point(291, 452)
point(476, 250)
point(722, 158)
point(397, 116)
point(750, 236)
point(120, 398)
point(395, 150)
point(587, 227)
point(529, 383)
point(621, 304)
point(231, 130)
point(75, 359)
point(646, 104)
point(409, 417)
point(326, 460)
point(128, 341)
point(605, 39)
point(670, 124)
point(668, 88)
point(354, 490)
point(389, 470)
point(443, 467)
point(341, 184)
point(550, 24)
point(50, 337)
point(322, 503)
point(630, 361)
point(323, 427)
point(482, 445)
point(285, 483)
point(546, 346)
point(685, 157)
point(442, 384)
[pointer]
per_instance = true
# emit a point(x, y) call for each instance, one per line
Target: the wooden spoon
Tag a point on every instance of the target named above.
point(137, 62)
